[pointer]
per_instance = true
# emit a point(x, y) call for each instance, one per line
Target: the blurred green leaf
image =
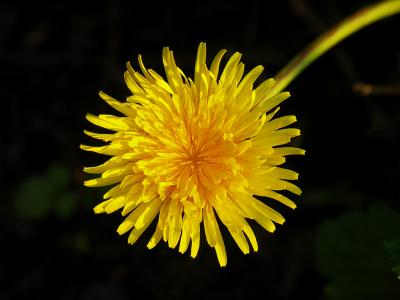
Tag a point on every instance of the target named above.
point(58, 175)
point(384, 223)
point(33, 198)
point(64, 205)
point(39, 195)
point(393, 248)
point(365, 286)
point(351, 252)
point(78, 242)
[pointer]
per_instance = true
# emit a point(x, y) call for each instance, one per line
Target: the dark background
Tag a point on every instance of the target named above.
point(55, 58)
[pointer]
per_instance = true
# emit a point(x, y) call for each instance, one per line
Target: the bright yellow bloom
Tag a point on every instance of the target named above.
point(185, 151)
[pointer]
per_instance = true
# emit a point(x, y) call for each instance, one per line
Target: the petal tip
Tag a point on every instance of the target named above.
point(89, 183)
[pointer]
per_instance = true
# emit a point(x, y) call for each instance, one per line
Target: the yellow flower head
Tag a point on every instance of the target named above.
point(185, 151)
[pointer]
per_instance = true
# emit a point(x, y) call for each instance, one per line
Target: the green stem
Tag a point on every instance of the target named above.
point(351, 24)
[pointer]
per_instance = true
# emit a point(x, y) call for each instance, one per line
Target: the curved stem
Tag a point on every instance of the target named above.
point(351, 24)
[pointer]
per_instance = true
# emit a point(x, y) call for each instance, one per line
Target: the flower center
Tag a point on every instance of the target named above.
point(204, 149)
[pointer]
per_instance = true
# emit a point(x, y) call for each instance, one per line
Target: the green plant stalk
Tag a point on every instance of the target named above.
point(348, 26)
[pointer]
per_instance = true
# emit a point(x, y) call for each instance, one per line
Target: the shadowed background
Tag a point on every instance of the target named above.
point(340, 243)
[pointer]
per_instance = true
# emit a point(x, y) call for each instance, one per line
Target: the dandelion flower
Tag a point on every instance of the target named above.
point(189, 152)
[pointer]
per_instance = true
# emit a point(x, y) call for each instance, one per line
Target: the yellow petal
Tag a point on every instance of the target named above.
point(100, 208)
point(195, 237)
point(121, 107)
point(269, 103)
point(130, 221)
point(229, 72)
point(155, 238)
point(250, 234)
point(108, 122)
point(115, 204)
point(240, 240)
point(102, 181)
point(268, 212)
point(215, 63)
point(185, 236)
point(149, 213)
